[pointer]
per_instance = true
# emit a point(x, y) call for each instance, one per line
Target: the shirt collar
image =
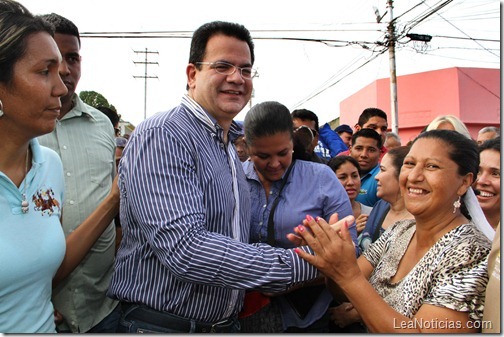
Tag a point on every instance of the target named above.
point(209, 121)
point(79, 109)
point(250, 172)
point(37, 158)
point(373, 170)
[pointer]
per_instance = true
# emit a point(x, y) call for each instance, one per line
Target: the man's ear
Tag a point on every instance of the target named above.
point(357, 127)
point(191, 75)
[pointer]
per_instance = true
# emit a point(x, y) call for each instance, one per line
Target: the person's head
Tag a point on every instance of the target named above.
point(213, 79)
point(68, 40)
point(308, 118)
point(30, 86)
point(365, 148)
point(241, 148)
point(347, 170)
point(486, 133)
point(388, 178)
point(113, 116)
point(392, 140)
point(439, 168)
point(268, 133)
point(120, 145)
point(303, 143)
point(345, 132)
point(488, 181)
point(448, 122)
point(373, 118)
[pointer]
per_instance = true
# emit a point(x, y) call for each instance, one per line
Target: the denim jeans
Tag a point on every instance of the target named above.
point(133, 325)
point(110, 323)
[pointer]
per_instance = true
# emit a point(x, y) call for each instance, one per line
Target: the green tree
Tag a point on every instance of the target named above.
point(95, 99)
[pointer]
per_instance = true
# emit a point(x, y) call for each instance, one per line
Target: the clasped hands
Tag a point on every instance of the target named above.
point(332, 244)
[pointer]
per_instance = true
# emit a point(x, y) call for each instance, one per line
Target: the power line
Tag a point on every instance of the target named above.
point(460, 30)
point(465, 38)
point(479, 83)
point(333, 83)
point(188, 34)
point(424, 16)
point(465, 58)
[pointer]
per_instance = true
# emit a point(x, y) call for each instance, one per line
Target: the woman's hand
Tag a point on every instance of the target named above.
point(333, 220)
point(344, 314)
point(333, 247)
point(361, 222)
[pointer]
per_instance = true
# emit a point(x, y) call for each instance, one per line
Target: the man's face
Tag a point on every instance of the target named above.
point(70, 68)
point(222, 96)
point(346, 137)
point(391, 142)
point(482, 137)
point(366, 152)
point(378, 124)
point(309, 123)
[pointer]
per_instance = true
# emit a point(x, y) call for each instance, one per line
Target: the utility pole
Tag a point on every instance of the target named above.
point(392, 63)
point(145, 76)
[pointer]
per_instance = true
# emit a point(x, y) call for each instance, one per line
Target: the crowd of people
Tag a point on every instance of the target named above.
point(196, 223)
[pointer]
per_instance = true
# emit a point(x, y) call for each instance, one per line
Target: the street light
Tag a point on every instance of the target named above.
point(419, 37)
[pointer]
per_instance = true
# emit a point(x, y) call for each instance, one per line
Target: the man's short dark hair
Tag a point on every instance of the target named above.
point(201, 36)
point(111, 114)
point(370, 112)
point(62, 25)
point(305, 114)
point(367, 133)
point(490, 144)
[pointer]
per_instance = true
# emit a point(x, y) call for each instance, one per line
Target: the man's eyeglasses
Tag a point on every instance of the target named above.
point(224, 68)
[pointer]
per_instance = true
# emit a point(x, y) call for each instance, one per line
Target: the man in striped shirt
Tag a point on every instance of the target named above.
point(184, 263)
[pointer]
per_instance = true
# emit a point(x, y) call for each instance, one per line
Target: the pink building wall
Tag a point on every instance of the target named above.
point(472, 94)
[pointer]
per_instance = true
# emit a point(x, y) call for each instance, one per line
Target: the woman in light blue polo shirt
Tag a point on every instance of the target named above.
point(33, 253)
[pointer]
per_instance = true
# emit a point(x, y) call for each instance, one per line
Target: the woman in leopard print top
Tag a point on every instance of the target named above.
point(423, 275)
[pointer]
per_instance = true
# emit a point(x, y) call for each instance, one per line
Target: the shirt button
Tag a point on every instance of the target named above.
point(264, 206)
point(260, 223)
point(68, 174)
point(64, 147)
point(71, 202)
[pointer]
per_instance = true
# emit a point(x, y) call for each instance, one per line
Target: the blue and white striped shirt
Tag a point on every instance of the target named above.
point(178, 253)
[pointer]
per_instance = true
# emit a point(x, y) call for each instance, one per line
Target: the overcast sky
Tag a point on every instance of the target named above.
point(291, 71)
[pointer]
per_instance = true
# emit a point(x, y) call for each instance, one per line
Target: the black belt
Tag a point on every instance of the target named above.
point(170, 321)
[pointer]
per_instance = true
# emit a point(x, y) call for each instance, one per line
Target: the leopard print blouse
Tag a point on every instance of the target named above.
point(452, 274)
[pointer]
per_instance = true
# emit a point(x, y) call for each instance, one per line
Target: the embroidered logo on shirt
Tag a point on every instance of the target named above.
point(45, 202)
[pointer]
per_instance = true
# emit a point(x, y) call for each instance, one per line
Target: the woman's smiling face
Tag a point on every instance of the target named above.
point(429, 179)
point(272, 155)
point(488, 181)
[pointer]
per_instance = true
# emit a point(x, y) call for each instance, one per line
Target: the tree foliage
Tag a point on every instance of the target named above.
point(95, 99)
